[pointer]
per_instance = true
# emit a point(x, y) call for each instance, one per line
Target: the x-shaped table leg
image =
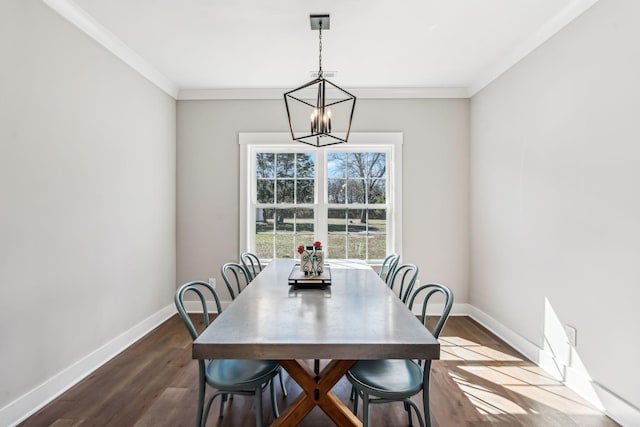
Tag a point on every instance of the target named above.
point(317, 391)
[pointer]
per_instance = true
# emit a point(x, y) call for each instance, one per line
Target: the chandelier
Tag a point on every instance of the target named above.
point(320, 112)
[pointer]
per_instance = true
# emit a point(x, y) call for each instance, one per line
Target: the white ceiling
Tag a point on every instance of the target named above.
point(191, 47)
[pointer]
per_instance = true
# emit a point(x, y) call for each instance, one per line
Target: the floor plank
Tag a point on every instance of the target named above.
point(479, 382)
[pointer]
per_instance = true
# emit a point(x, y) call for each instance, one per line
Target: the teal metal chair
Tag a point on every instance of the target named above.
point(403, 279)
point(388, 266)
point(382, 381)
point(227, 376)
point(235, 277)
point(251, 264)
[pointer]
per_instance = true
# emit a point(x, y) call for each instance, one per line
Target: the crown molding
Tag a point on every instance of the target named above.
point(553, 26)
point(361, 93)
point(78, 17)
point(81, 19)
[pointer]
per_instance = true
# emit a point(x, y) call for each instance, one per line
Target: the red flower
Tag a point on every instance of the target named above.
point(300, 249)
point(317, 244)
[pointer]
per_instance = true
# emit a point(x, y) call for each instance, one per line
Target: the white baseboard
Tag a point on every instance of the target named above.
point(613, 405)
point(621, 411)
point(29, 403)
point(524, 346)
point(458, 309)
point(196, 306)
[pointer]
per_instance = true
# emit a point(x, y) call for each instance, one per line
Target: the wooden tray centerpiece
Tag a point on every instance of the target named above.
point(299, 279)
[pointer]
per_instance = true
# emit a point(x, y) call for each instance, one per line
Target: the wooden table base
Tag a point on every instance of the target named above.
point(316, 389)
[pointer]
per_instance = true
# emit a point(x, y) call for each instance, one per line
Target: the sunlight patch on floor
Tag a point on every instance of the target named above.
point(456, 348)
point(485, 400)
point(493, 375)
point(529, 374)
point(555, 398)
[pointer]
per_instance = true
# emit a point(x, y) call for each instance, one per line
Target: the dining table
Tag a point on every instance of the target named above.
point(353, 316)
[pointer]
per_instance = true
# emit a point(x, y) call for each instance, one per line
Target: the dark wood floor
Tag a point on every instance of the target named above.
point(480, 381)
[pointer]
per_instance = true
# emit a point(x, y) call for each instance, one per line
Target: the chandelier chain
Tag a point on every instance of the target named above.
point(320, 51)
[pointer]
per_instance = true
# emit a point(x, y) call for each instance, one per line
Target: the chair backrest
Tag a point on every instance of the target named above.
point(235, 277)
point(202, 289)
point(403, 279)
point(389, 265)
point(429, 290)
point(251, 264)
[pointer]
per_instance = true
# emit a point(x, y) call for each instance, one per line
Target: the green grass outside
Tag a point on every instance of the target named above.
point(342, 243)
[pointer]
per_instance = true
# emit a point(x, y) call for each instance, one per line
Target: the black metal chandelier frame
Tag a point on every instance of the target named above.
point(320, 134)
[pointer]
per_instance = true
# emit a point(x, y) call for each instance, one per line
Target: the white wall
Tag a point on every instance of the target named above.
point(555, 205)
point(87, 197)
point(435, 176)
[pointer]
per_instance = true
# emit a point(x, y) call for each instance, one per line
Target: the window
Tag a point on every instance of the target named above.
point(284, 202)
point(346, 196)
point(356, 201)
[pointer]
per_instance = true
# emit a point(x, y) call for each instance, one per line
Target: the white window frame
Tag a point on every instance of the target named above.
point(389, 142)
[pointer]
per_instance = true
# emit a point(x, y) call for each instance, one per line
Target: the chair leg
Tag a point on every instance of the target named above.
point(205, 415)
point(258, 393)
point(274, 402)
point(365, 410)
point(356, 394)
point(223, 400)
point(425, 393)
point(411, 404)
point(407, 408)
point(201, 389)
point(284, 390)
point(353, 393)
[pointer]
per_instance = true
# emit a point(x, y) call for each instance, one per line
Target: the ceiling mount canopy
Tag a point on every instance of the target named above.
point(320, 112)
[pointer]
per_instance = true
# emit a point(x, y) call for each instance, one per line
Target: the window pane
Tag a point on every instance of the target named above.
point(337, 232)
point(264, 245)
point(377, 236)
point(357, 247)
point(337, 220)
point(377, 190)
point(265, 190)
point(357, 221)
point(284, 246)
point(304, 221)
point(336, 165)
point(284, 191)
point(284, 220)
point(264, 232)
point(305, 167)
point(357, 233)
point(337, 190)
point(285, 165)
point(264, 220)
point(376, 165)
point(355, 191)
point(357, 165)
point(337, 246)
point(304, 229)
point(264, 165)
point(304, 191)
